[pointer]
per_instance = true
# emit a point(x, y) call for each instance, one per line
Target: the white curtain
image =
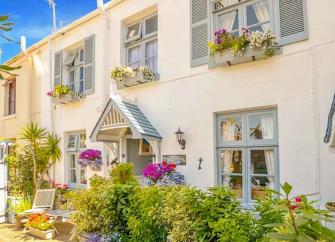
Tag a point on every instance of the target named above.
point(226, 20)
point(268, 133)
point(227, 164)
point(134, 57)
point(151, 55)
point(228, 130)
point(262, 14)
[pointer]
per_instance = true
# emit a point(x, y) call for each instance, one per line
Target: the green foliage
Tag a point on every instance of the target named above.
point(144, 206)
point(303, 222)
point(23, 205)
point(6, 26)
point(123, 174)
point(20, 173)
point(220, 218)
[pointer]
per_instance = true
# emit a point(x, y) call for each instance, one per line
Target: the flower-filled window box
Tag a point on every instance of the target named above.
point(128, 77)
point(91, 158)
point(230, 50)
point(41, 226)
point(63, 94)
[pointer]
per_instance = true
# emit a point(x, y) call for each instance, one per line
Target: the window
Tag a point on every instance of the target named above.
point(247, 153)
point(141, 43)
point(75, 67)
point(77, 173)
point(235, 14)
point(10, 97)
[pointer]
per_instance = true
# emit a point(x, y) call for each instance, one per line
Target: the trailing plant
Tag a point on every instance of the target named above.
point(162, 174)
point(92, 158)
point(224, 40)
point(61, 90)
point(122, 73)
point(303, 222)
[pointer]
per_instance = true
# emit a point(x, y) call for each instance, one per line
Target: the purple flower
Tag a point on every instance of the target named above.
point(90, 154)
point(157, 171)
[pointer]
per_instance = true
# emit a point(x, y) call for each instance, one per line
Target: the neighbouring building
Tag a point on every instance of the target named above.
point(246, 123)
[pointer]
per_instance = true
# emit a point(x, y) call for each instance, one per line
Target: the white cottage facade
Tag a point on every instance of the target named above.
point(247, 124)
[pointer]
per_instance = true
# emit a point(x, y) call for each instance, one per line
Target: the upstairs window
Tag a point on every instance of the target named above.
point(75, 69)
point(141, 43)
point(10, 97)
point(234, 15)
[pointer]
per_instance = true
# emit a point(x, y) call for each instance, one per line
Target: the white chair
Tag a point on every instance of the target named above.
point(44, 200)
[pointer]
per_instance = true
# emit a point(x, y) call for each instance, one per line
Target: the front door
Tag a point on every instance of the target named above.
point(139, 161)
point(3, 182)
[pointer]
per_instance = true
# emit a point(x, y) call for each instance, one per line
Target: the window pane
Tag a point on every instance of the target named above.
point(73, 177)
point(72, 142)
point(72, 161)
point(151, 25)
point(83, 179)
point(235, 183)
point(262, 162)
point(258, 13)
point(151, 55)
point(133, 30)
point(82, 143)
point(259, 186)
point(231, 129)
point(228, 21)
point(261, 126)
point(231, 161)
point(81, 55)
point(134, 57)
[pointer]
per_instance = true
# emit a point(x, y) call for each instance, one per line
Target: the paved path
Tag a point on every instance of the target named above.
point(9, 233)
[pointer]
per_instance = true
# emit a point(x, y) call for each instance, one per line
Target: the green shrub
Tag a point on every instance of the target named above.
point(145, 203)
point(123, 174)
point(177, 213)
point(220, 218)
point(23, 205)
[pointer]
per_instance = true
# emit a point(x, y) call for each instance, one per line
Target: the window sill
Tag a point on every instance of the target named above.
point(6, 117)
point(227, 57)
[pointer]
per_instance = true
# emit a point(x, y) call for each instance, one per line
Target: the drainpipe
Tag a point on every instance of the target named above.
point(316, 115)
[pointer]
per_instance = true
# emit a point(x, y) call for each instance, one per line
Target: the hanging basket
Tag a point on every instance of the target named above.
point(94, 166)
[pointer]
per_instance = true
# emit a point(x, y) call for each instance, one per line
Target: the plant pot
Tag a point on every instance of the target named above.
point(330, 206)
point(227, 57)
point(65, 99)
point(18, 221)
point(138, 79)
point(50, 234)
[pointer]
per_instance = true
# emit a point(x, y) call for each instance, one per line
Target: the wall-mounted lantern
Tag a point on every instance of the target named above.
point(180, 139)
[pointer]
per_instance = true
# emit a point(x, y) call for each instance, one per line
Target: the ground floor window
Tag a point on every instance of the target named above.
point(77, 174)
point(247, 153)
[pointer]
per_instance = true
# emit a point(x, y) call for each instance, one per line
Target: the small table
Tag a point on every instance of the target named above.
point(64, 215)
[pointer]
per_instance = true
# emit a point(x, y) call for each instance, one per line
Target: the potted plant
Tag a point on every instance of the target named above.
point(249, 46)
point(127, 76)
point(16, 208)
point(41, 226)
point(92, 158)
point(62, 94)
point(162, 174)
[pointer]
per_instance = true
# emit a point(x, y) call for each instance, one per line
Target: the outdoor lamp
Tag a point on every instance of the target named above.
point(180, 139)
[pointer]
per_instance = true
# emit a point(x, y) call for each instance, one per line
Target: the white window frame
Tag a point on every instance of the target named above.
point(75, 151)
point(75, 69)
point(141, 41)
point(242, 14)
point(246, 146)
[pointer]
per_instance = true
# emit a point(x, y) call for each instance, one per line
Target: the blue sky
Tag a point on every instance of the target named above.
point(33, 18)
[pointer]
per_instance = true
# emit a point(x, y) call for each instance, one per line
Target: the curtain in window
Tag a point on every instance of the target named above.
point(262, 14)
point(229, 130)
point(151, 55)
point(227, 159)
point(134, 56)
point(227, 20)
point(268, 133)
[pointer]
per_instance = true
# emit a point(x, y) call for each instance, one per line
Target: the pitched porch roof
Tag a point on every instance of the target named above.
point(117, 117)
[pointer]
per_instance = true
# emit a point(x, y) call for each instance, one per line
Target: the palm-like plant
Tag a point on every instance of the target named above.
point(6, 26)
point(42, 148)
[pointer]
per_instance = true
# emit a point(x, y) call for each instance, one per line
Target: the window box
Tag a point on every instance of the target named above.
point(227, 57)
point(138, 79)
point(66, 98)
point(50, 234)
